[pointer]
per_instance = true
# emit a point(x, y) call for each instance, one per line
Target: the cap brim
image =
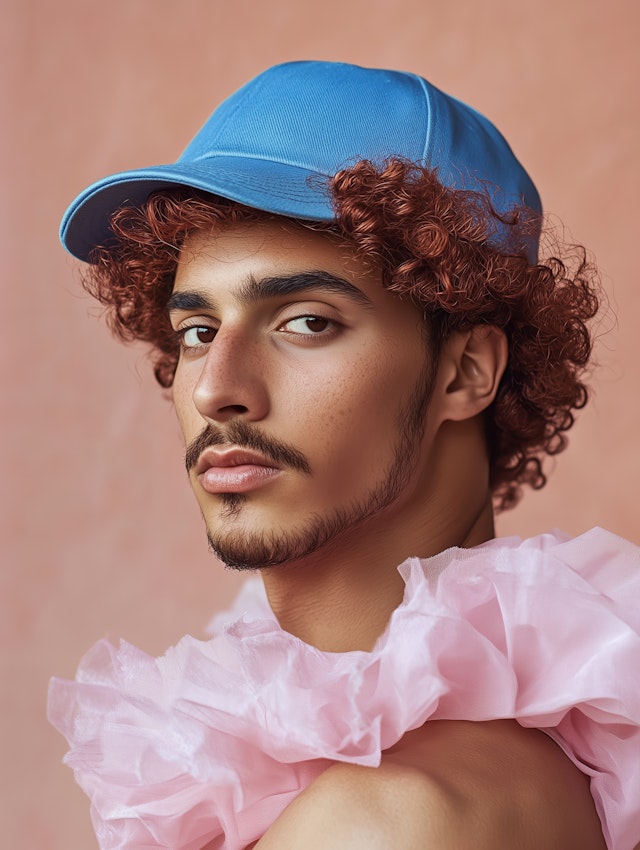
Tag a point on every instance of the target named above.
point(275, 187)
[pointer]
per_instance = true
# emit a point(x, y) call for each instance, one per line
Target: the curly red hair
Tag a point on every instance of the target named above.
point(434, 244)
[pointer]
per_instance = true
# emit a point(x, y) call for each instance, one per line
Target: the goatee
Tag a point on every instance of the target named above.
point(246, 550)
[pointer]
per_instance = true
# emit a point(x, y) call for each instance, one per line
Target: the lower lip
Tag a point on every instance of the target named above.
point(236, 479)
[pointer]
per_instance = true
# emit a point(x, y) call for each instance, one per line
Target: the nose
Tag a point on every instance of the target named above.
point(232, 382)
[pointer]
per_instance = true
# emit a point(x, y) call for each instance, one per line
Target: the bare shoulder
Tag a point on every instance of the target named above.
point(449, 784)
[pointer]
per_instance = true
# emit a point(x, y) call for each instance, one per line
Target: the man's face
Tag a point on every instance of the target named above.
point(301, 389)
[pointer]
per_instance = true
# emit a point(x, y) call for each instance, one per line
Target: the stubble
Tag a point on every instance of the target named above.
point(247, 550)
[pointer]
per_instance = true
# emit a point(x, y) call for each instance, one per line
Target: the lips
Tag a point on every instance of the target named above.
point(234, 470)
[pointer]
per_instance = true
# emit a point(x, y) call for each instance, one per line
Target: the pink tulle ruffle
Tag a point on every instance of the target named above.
point(207, 745)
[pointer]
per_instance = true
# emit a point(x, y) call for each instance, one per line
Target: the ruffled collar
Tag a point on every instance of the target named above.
point(215, 738)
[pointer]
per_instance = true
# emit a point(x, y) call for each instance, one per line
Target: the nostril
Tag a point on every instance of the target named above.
point(234, 408)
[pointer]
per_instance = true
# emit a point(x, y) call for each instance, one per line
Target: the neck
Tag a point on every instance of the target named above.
point(340, 598)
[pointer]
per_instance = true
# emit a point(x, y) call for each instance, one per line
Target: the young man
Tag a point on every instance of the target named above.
point(340, 283)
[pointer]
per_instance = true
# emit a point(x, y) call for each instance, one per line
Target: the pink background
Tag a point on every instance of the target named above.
point(101, 535)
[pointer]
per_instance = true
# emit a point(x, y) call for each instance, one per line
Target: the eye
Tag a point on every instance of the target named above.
point(196, 336)
point(308, 325)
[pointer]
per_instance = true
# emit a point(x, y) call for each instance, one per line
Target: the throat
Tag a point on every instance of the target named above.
point(336, 609)
point(340, 598)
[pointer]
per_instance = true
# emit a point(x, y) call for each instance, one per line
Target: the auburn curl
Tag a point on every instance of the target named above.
point(436, 245)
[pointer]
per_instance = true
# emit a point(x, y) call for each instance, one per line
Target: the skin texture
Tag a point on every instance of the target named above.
point(361, 449)
point(452, 785)
point(339, 397)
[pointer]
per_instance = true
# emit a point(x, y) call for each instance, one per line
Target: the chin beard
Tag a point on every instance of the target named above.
point(246, 550)
point(251, 551)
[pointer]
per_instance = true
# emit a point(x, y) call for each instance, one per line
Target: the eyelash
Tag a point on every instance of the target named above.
point(182, 332)
point(332, 327)
point(305, 317)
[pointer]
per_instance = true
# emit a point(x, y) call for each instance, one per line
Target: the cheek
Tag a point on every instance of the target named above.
point(182, 393)
point(343, 414)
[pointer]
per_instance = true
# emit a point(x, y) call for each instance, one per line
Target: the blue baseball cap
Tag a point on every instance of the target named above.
point(273, 144)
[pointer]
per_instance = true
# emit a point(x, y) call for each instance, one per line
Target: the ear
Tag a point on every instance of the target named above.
point(471, 365)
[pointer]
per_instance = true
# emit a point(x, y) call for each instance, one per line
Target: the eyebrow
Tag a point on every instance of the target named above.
point(254, 290)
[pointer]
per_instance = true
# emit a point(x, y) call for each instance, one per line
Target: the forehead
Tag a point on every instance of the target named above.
point(227, 258)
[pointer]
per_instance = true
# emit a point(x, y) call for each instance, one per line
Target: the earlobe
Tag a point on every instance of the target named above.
point(473, 362)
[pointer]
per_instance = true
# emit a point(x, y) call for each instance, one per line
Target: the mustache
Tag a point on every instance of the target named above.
point(246, 436)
